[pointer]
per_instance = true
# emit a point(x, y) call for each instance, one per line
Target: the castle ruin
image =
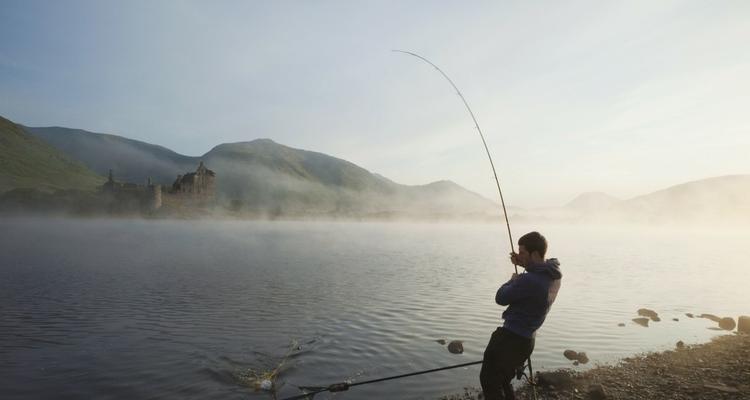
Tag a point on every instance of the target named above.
point(126, 196)
point(199, 184)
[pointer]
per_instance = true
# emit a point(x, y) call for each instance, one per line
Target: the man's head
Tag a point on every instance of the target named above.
point(531, 249)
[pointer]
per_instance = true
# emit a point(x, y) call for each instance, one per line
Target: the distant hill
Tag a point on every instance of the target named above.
point(265, 177)
point(593, 202)
point(714, 200)
point(271, 177)
point(28, 162)
point(132, 160)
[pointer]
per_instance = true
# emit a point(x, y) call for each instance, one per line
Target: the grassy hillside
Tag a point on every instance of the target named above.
point(131, 160)
point(28, 162)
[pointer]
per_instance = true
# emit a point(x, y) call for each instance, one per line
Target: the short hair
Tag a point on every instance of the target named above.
point(534, 241)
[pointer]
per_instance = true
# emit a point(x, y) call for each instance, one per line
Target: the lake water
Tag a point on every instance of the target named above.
point(118, 309)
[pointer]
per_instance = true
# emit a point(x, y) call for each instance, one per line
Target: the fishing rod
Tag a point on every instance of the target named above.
point(481, 135)
point(343, 386)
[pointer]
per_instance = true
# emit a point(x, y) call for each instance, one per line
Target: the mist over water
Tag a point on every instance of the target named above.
point(177, 309)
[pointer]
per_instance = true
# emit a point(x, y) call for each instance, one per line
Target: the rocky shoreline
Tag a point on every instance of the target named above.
point(719, 369)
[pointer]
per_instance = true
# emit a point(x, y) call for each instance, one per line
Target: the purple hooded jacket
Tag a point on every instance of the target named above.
point(529, 297)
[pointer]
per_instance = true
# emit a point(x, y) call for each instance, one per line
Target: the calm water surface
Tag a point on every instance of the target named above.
point(160, 309)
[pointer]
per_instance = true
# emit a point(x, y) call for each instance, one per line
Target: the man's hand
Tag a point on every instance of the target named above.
point(514, 258)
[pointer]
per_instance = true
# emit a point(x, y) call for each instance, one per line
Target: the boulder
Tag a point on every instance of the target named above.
point(560, 380)
point(570, 354)
point(456, 347)
point(641, 321)
point(596, 392)
point(727, 324)
point(710, 316)
point(645, 312)
point(743, 324)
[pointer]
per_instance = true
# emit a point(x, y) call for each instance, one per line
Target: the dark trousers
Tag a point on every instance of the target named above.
point(505, 352)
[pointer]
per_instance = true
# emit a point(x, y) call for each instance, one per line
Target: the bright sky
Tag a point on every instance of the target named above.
point(619, 97)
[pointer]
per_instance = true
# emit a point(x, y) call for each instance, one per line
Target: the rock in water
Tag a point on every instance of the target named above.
point(727, 324)
point(645, 312)
point(676, 319)
point(689, 315)
point(266, 384)
point(641, 321)
point(456, 347)
point(570, 354)
point(583, 358)
point(680, 344)
point(441, 341)
point(621, 324)
point(710, 316)
point(743, 324)
point(596, 392)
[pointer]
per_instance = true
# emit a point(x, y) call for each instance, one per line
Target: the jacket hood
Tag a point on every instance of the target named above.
point(550, 267)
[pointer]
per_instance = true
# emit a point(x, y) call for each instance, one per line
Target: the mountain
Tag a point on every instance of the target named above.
point(713, 202)
point(593, 202)
point(263, 173)
point(718, 200)
point(131, 160)
point(265, 177)
point(28, 162)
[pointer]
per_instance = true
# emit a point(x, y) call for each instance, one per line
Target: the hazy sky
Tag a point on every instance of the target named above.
point(620, 97)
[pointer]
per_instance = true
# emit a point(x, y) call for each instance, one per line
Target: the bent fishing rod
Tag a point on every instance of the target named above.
point(494, 172)
point(481, 135)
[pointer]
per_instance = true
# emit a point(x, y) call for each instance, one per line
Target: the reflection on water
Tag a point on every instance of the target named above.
point(134, 309)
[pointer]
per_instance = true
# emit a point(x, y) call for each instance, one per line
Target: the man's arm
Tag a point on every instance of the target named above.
point(515, 289)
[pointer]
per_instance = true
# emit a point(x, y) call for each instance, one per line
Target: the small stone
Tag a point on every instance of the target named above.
point(583, 358)
point(621, 324)
point(676, 319)
point(596, 392)
point(570, 354)
point(641, 321)
point(456, 347)
point(680, 344)
point(727, 323)
point(576, 363)
point(441, 341)
point(689, 315)
point(743, 324)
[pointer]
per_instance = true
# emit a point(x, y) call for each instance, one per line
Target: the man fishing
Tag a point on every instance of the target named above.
point(528, 297)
